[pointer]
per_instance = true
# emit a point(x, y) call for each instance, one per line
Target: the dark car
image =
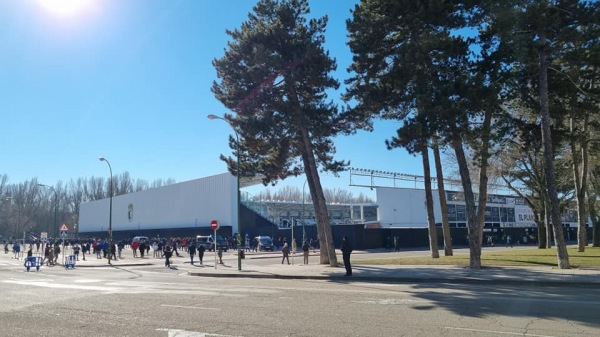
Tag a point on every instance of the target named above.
point(264, 243)
point(209, 242)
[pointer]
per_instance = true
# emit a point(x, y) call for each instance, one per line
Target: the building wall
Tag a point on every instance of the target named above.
point(184, 205)
point(405, 207)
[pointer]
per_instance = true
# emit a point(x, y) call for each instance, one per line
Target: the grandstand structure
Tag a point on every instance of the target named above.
point(187, 208)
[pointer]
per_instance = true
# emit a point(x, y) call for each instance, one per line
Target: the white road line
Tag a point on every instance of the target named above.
point(189, 307)
point(497, 332)
point(183, 333)
point(63, 286)
point(392, 301)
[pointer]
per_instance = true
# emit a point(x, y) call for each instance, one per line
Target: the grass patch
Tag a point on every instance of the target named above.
point(521, 257)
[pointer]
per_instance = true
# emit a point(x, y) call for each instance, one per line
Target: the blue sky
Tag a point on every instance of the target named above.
point(130, 81)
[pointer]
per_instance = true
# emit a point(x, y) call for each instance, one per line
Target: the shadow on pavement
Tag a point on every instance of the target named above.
point(527, 302)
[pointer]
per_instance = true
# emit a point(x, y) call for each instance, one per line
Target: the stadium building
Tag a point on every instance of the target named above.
point(187, 209)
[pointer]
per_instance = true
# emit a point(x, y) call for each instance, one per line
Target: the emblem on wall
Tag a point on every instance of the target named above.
point(130, 212)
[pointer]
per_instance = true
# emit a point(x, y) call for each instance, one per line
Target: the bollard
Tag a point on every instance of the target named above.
point(32, 261)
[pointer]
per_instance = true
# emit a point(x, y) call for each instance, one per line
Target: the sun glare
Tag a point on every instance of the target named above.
point(65, 7)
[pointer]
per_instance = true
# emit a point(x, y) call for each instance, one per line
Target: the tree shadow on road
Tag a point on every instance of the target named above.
point(489, 292)
point(539, 302)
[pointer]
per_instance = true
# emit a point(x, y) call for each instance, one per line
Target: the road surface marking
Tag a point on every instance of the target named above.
point(498, 332)
point(392, 301)
point(183, 333)
point(189, 307)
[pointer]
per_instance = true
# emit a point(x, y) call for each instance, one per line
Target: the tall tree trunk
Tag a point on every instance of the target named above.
point(579, 175)
point(484, 152)
point(594, 218)
point(327, 252)
point(561, 248)
point(541, 227)
point(541, 231)
point(433, 245)
point(472, 226)
point(547, 222)
point(443, 203)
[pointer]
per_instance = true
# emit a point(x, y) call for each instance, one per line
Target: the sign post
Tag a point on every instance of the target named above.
point(64, 231)
point(44, 239)
point(214, 225)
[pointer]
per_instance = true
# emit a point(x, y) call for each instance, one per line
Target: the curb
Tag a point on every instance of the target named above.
point(113, 265)
point(357, 278)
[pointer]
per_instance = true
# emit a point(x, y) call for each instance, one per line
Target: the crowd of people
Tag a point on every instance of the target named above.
point(162, 248)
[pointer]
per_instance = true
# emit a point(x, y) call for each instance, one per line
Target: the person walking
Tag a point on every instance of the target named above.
point(220, 254)
point(56, 252)
point(16, 249)
point(76, 251)
point(346, 251)
point(113, 251)
point(305, 251)
point(396, 244)
point(201, 250)
point(85, 248)
point(286, 253)
point(134, 248)
point(142, 248)
point(192, 251)
point(167, 253)
point(120, 247)
point(509, 241)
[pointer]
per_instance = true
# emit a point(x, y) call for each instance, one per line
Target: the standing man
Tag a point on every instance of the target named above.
point(220, 254)
point(305, 249)
point(201, 250)
point(113, 251)
point(346, 250)
point(286, 252)
point(167, 253)
point(192, 251)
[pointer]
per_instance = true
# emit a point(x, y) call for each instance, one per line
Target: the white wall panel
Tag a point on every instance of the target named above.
point(188, 204)
point(403, 207)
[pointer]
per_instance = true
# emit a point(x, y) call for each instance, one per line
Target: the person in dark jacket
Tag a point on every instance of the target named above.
point(346, 250)
point(286, 253)
point(167, 253)
point(201, 250)
point(142, 248)
point(192, 252)
point(305, 249)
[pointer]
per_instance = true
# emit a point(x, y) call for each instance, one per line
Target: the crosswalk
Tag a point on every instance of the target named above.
point(137, 287)
point(11, 263)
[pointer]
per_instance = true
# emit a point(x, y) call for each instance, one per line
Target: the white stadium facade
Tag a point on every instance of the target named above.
point(186, 209)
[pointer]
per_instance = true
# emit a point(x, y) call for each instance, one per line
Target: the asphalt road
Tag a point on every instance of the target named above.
point(157, 301)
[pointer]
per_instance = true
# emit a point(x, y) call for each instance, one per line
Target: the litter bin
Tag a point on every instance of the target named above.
point(242, 254)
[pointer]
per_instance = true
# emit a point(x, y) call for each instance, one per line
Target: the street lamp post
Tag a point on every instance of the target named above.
point(239, 223)
point(109, 210)
point(55, 206)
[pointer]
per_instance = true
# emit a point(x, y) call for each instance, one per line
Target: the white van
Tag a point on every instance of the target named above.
point(140, 239)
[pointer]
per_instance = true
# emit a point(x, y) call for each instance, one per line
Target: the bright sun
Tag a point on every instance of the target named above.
point(65, 7)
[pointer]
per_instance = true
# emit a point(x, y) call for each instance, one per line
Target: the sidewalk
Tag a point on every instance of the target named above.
point(268, 265)
point(534, 276)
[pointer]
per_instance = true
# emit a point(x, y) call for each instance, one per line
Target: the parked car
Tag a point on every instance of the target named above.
point(264, 243)
point(209, 242)
point(140, 239)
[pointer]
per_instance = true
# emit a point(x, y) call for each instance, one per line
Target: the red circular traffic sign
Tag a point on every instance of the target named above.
point(214, 225)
